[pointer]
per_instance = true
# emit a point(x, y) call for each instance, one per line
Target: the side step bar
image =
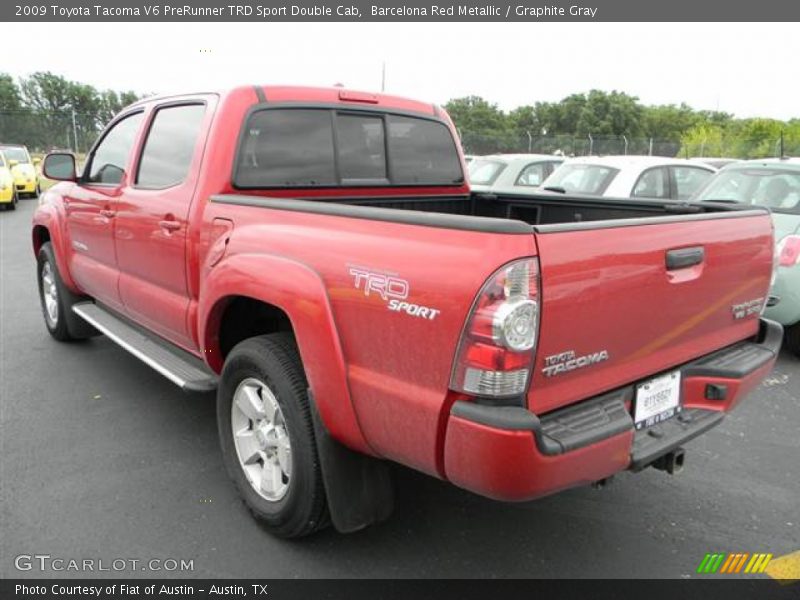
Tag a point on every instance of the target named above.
point(185, 371)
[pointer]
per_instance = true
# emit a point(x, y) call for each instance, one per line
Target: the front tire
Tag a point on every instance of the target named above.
point(267, 435)
point(57, 300)
point(792, 339)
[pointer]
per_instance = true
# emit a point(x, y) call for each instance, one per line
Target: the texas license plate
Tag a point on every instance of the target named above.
point(657, 400)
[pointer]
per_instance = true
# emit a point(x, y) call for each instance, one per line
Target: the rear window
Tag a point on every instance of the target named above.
point(290, 147)
point(16, 153)
point(581, 179)
point(485, 172)
point(777, 189)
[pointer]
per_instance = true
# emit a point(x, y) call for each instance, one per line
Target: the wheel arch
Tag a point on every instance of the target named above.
point(47, 228)
point(235, 305)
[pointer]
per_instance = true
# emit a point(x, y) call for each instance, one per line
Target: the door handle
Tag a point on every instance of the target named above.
point(107, 213)
point(680, 258)
point(169, 225)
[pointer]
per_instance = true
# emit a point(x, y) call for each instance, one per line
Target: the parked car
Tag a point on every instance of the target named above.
point(716, 162)
point(629, 177)
point(8, 193)
point(510, 172)
point(316, 256)
point(23, 168)
point(774, 183)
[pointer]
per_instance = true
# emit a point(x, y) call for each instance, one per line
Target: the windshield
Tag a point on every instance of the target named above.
point(778, 189)
point(16, 153)
point(581, 179)
point(485, 172)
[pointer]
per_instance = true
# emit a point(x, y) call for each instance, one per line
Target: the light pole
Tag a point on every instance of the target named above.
point(75, 130)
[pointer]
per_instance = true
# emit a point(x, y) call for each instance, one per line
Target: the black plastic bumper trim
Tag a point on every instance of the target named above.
point(739, 360)
point(654, 442)
point(511, 418)
point(563, 430)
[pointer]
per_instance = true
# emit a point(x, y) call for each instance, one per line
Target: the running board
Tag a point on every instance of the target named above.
point(186, 372)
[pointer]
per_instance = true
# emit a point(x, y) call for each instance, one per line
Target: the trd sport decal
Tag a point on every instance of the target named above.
point(393, 290)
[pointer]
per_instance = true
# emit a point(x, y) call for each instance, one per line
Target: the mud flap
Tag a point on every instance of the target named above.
point(358, 487)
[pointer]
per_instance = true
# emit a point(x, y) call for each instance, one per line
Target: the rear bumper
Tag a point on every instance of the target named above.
point(509, 453)
point(25, 187)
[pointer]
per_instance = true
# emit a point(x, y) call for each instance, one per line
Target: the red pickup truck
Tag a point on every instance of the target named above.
point(316, 256)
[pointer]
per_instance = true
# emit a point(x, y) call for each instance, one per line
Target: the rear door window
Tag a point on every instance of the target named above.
point(653, 183)
point(170, 144)
point(688, 180)
point(533, 174)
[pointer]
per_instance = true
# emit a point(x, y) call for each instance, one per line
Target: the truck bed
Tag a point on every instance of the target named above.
point(487, 211)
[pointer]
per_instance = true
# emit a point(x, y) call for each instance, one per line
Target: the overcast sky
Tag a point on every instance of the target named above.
point(745, 69)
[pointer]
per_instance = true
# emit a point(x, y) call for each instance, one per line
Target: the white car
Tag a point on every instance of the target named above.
point(510, 172)
point(630, 177)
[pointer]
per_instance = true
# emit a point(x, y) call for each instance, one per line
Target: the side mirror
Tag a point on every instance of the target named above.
point(36, 160)
point(59, 166)
point(13, 163)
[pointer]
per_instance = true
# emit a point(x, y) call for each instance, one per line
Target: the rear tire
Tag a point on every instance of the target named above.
point(267, 435)
point(793, 339)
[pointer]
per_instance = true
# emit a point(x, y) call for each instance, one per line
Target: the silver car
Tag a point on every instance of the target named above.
point(510, 172)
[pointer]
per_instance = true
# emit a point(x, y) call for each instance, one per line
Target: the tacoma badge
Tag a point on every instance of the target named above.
point(567, 361)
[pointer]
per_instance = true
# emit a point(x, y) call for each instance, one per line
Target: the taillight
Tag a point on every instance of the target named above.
point(788, 250)
point(495, 354)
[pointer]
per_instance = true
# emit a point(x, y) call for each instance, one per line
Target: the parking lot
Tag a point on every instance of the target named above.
point(101, 457)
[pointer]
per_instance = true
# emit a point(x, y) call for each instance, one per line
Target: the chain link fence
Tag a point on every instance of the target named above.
point(573, 145)
point(44, 131)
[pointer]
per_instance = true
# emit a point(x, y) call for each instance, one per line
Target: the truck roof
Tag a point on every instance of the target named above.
point(321, 95)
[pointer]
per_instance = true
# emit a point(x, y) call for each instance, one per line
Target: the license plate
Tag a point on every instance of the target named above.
point(657, 400)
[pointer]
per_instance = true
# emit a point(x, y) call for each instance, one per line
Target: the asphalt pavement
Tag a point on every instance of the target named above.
point(103, 459)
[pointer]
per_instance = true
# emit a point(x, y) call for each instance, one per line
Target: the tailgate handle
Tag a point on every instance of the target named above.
point(681, 258)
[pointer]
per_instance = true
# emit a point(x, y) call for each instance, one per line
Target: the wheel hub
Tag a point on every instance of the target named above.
point(261, 439)
point(50, 294)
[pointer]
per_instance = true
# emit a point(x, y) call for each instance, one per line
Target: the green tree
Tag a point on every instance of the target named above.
point(10, 98)
point(483, 127)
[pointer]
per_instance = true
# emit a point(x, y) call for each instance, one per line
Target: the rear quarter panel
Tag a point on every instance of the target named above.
point(397, 365)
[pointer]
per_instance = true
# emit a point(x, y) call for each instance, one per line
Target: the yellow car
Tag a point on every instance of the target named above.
point(26, 177)
point(8, 194)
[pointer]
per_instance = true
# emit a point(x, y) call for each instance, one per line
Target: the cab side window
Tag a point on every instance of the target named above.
point(170, 145)
point(110, 158)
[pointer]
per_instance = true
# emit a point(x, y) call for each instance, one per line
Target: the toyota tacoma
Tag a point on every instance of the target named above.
point(317, 258)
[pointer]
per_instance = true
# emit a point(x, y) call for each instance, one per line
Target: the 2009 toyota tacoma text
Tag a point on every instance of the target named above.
point(317, 257)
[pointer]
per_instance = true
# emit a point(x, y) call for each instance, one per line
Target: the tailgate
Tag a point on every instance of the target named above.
point(622, 301)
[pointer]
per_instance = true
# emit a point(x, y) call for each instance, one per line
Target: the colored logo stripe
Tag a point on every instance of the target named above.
point(758, 563)
point(723, 562)
point(710, 563)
